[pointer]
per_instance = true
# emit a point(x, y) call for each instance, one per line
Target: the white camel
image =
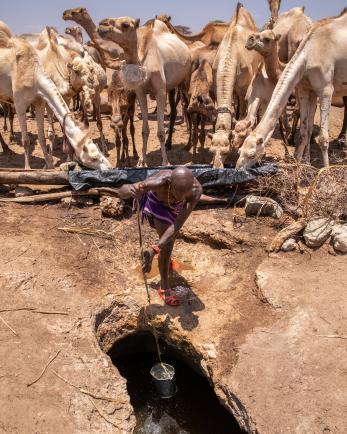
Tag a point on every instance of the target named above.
point(23, 81)
point(315, 75)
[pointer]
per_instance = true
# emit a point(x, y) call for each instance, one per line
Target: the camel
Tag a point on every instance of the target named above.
point(274, 6)
point(23, 81)
point(201, 98)
point(156, 62)
point(315, 76)
point(211, 34)
point(109, 51)
point(76, 33)
point(234, 68)
point(263, 84)
point(122, 103)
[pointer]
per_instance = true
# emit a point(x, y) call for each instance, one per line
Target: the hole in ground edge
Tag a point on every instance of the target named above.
point(195, 409)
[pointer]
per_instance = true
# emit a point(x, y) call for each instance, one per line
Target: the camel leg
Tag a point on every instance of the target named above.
point(97, 103)
point(325, 103)
point(125, 139)
point(50, 131)
point(11, 118)
point(4, 145)
point(40, 119)
point(5, 111)
point(161, 101)
point(303, 96)
point(131, 111)
point(311, 112)
point(343, 134)
point(202, 135)
point(173, 114)
point(21, 114)
point(142, 99)
point(195, 132)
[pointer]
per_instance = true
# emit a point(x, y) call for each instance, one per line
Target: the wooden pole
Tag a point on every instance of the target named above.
point(49, 196)
point(45, 177)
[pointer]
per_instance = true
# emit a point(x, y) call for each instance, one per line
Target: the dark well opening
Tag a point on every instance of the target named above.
point(194, 409)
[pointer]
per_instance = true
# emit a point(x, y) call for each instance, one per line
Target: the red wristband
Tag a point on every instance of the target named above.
point(155, 248)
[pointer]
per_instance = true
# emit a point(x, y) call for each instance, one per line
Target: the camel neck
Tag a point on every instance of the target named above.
point(272, 66)
point(90, 28)
point(131, 55)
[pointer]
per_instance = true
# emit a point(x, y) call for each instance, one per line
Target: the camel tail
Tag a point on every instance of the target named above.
point(5, 35)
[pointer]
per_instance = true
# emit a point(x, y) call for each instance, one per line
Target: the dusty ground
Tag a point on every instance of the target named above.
point(266, 330)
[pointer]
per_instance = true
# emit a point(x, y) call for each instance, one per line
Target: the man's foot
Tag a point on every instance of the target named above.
point(169, 297)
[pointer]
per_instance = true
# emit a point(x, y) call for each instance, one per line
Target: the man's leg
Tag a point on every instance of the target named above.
point(164, 257)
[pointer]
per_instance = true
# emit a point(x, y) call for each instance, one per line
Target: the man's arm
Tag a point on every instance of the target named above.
point(189, 205)
point(153, 182)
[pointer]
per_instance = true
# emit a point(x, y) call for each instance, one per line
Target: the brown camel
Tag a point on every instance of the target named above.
point(211, 34)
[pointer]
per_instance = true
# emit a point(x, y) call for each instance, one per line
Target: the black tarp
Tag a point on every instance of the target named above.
point(206, 175)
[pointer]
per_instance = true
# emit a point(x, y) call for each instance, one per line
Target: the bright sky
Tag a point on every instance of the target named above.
point(24, 16)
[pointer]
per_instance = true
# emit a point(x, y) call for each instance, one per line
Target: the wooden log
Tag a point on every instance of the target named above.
point(284, 234)
point(37, 198)
point(45, 177)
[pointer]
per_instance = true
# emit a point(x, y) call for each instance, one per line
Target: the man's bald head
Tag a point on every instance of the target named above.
point(182, 181)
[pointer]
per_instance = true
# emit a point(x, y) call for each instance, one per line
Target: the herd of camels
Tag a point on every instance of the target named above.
point(230, 75)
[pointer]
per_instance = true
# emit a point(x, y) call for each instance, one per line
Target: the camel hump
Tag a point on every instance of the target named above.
point(5, 35)
point(159, 26)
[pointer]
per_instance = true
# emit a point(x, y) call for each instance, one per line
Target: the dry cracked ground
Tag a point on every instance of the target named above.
point(269, 332)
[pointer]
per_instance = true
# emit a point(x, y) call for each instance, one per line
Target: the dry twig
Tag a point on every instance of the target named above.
point(101, 413)
point(8, 326)
point(87, 231)
point(44, 369)
point(84, 391)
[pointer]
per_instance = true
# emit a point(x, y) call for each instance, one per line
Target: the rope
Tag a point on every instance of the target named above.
point(155, 334)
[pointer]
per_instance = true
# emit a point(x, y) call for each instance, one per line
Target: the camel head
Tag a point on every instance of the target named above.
point(74, 31)
point(76, 14)
point(251, 151)
point(83, 75)
point(204, 105)
point(220, 147)
point(120, 30)
point(164, 18)
point(89, 154)
point(264, 42)
point(241, 131)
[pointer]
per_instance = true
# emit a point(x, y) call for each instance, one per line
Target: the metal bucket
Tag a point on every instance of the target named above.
point(164, 379)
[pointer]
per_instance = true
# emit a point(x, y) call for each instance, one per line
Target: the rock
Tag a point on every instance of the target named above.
point(317, 231)
point(289, 245)
point(67, 202)
point(111, 207)
point(339, 238)
point(69, 165)
point(23, 191)
point(262, 206)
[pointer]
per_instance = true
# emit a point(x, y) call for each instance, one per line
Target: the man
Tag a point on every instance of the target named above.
point(166, 201)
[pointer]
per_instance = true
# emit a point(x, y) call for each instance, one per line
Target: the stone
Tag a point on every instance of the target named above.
point(339, 238)
point(111, 207)
point(69, 165)
point(289, 245)
point(23, 191)
point(317, 231)
point(67, 202)
point(262, 206)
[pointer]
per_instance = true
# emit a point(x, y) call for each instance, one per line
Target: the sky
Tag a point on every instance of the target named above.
point(24, 16)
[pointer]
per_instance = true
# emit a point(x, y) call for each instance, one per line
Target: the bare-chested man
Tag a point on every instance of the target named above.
point(166, 201)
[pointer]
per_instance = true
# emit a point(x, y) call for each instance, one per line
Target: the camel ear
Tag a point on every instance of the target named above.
point(210, 135)
point(260, 141)
point(137, 23)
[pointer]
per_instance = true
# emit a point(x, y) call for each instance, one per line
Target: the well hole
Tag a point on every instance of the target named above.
point(194, 409)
